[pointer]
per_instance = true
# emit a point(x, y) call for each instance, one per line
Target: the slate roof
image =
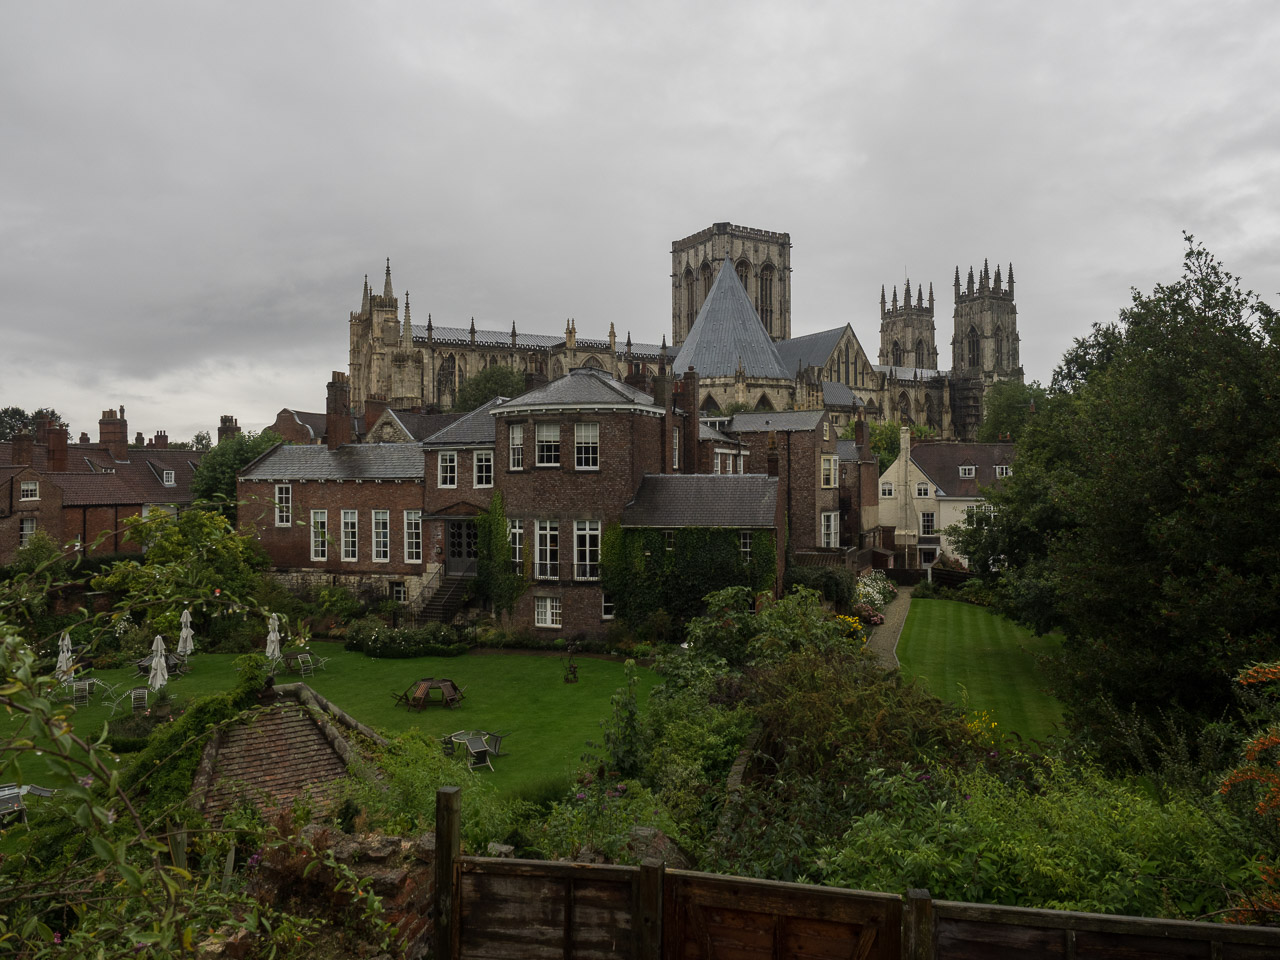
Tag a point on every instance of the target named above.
point(354, 461)
point(703, 500)
point(103, 489)
point(473, 429)
point(783, 421)
point(848, 450)
point(313, 422)
point(582, 387)
point(941, 463)
point(484, 338)
point(419, 426)
point(811, 350)
point(706, 432)
point(728, 332)
point(836, 394)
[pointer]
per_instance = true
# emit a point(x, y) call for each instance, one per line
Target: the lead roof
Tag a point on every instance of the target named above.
point(728, 334)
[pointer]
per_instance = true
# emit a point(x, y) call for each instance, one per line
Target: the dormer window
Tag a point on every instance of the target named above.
point(1003, 470)
point(169, 478)
point(967, 471)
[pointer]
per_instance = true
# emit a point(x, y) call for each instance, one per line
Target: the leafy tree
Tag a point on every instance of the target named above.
point(886, 441)
point(215, 478)
point(1141, 517)
point(495, 381)
point(201, 441)
point(499, 583)
point(13, 420)
point(1007, 407)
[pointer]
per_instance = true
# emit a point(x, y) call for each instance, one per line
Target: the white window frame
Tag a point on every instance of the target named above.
point(319, 534)
point(586, 446)
point(515, 537)
point(546, 612)
point(886, 489)
point(350, 520)
point(744, 545)
point(482, 478)
point(397, 591)
point(284, 505)
point(547, 559)
point(826, 430)
point(675, 448)
point(29, 490)
point(968, 471)
point(669, 539)
point(586, 550)
point(26, 530)
point(606, 606)
point(169, 478)
point(1003, 470)
point(381, 536)
point(830, 528)
point(447, 469)
point(515, 446)
point(413, 536)
point(922, 489)
point(546, 442)
point(928, 523)
point(830, 471)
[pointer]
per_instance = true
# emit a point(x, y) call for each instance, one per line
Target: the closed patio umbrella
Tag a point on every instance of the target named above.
point(159, 669)
point(64, 656)
point(273, 637)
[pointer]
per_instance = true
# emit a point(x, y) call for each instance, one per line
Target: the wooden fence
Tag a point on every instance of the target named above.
point(496, 908)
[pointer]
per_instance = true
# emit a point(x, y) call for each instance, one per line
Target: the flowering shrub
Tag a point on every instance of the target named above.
point(853, 629)
point(876, 589)
point(868, 614)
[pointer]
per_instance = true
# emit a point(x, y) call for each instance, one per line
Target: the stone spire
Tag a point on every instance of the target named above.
point(387, 290)
point(996, 284)
point(957, 281)
point(513, 333)
point(882, 300)
point(429, 333)
point(931, 290)
point(473, 331)
point(364, 301)
point(406, 339)
point(1010, 278)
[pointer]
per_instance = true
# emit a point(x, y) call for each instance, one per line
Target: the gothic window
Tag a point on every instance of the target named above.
point(557, 369)
point(445, 377)
point(904, 407)
point(592, 362)
point(975, 354)
point(706, 280)
point(765, 304)
point(931, 414)
point(897, 354)
point(920, 357)
point(763, 403)
point(709, 405)
point(689, 312)
point(744, 272)
point(999, 347)
point(847, 381)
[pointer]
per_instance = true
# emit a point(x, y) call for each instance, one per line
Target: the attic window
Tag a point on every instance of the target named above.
point(1003, 470)
point(29, 490)
point(169, 479)
point(967, 472)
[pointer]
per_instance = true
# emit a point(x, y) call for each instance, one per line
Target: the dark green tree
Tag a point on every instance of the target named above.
point(14, 420)
point(497, 581)
point(885, 440)
point(490, 382)
point(1007, 407)
point(215, 478)
point(1143, 510)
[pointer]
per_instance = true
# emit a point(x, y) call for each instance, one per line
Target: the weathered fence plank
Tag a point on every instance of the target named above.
point(448, 847)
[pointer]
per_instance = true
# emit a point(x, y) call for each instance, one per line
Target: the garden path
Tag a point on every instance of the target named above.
point(884, 638)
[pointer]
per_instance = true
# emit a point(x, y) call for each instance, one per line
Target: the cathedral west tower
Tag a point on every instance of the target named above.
point(762, 260)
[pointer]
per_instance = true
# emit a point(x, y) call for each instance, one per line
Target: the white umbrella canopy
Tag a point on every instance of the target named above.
point(159, 669)
point(186, 641)
point(186, 618)
point(64, 655)
point(273, 637)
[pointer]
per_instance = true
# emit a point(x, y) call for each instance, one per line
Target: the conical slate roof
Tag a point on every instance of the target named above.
point(728, 333)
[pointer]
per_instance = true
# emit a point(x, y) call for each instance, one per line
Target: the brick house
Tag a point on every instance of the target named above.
point(934, 484)
point(83, 492)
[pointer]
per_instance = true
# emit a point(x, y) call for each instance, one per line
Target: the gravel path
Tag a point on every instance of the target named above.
point(884, 638)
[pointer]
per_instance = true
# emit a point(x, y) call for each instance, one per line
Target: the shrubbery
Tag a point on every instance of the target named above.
point(373, 637)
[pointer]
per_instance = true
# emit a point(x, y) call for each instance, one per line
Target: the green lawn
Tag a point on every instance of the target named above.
point(956, 647)
point(547, 721)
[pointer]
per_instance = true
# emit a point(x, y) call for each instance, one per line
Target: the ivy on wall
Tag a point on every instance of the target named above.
point(496, 581)
point(643, 572)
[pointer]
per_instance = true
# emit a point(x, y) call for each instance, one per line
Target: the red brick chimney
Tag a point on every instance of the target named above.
point(57, 455)
point(113, 433)
point(23, 447)
point(375, 405)
point(337, 412)
point(227, 427)
point(159, 442)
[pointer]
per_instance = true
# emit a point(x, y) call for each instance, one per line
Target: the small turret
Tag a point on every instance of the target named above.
point(970, 285)
point(473, 331)
point(364, 300)
point(957, 281)
point(513, 333)
point(406, 338)
point(996, 285)
point(893, 304)
point(387, 290)
point(883, 302)
point(931, 290)
point(430, 335)
point(1010, 279)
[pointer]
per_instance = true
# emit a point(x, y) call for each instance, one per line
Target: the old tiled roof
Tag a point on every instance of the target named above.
point(703, 500)
point(583, 387)
point(473, 429)
point(779, 420)
point(706, 432)
point(811, 350)
point(848, 450)
point(728, 334)
point(419, 426)
point(941, 463)
point(272, 760)
point(99, 489)
point(355, 461)
point(314, 423)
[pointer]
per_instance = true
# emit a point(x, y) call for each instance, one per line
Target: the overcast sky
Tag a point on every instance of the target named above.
point(192, 193)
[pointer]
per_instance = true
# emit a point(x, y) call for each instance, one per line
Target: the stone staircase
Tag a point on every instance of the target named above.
point(444, 604)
